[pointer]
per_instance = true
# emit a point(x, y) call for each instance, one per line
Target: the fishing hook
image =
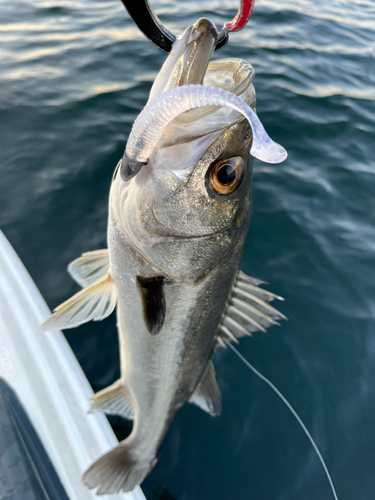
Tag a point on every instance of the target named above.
point(148, 22)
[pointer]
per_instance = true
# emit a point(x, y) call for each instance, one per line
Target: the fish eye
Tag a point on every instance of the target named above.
point(226, 176)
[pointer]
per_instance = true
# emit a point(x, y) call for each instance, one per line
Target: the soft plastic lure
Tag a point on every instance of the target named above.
point(150, 124)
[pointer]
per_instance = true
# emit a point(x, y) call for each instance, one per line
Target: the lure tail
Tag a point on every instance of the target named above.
point(117, 471)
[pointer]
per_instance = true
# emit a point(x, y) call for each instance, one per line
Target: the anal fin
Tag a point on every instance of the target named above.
point(113, 400)
point(207, 393)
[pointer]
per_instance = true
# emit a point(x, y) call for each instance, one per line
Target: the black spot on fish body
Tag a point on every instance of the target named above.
point(152, 295)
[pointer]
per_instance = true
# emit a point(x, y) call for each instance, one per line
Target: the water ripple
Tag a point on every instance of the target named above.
point(74, 75)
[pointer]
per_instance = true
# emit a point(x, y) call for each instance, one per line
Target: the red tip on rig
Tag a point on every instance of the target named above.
point(242, 17)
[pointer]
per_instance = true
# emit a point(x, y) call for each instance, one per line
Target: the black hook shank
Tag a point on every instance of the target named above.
point(149, 23)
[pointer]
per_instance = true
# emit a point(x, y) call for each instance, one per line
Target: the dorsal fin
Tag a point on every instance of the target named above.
point(95, 302)
point(248, 310)
point(207, 393)
point(90, 267)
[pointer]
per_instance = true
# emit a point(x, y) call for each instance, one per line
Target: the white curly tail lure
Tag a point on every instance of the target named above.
point(150, 124)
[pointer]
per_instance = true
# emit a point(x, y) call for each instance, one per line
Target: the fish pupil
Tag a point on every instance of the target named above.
point(226, 174)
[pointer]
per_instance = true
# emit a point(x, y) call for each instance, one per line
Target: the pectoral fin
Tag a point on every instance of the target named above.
point(95, 302)
point(90, 267)
point(248, 310)
point(207, 393)
point(113, 400)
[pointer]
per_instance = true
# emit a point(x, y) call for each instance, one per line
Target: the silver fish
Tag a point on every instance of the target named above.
point(176, 232)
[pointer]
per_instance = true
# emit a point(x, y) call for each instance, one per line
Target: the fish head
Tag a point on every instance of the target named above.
point(185, 222)
point(187, 210)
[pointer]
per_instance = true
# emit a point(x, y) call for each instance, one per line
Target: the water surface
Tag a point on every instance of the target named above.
point(73, 77)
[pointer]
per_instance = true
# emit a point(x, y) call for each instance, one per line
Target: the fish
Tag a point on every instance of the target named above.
point(179, 210)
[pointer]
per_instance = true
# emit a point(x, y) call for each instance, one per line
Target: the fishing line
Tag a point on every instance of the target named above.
point(290, 407)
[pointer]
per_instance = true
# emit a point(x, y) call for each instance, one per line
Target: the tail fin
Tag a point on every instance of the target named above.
point(116, 471)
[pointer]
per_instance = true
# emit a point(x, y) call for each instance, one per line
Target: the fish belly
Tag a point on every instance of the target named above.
point(161, 371)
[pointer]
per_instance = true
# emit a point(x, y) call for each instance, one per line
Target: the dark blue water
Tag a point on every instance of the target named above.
point(73, 77)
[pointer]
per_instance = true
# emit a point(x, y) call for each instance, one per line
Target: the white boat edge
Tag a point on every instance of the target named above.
point(49, 381)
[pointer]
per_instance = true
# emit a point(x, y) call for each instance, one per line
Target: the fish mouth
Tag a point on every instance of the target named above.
point(197, 52)
point(189, 64)
point(189, 59)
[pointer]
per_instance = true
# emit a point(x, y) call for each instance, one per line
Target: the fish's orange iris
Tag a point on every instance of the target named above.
point(227, 175)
